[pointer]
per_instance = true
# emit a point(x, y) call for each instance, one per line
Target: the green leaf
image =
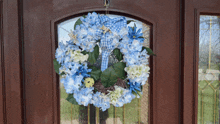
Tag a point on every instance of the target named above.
point(119, 69)
point(78, 22)
point(129, 21)
point(108, 77)
point(84, 52)
point(118, 54)
point(150, 52)
point(94, 55)
point(56, 65)
point(71, 99)
point(135, 25)
point(95, 73)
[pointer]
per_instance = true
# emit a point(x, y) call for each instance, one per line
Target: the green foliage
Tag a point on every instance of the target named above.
point(119, 69)
point(95, 73)
point(110, 76)
point(56, 65)
point(129, 21)
point(71, 99)
point(118, 54)
point(150, 52)
point(78, 22)
point(84, 52)
point(92, 55)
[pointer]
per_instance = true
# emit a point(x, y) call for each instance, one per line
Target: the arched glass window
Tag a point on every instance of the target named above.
point(135, 112)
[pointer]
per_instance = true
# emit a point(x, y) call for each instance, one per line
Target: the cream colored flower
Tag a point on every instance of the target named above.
point(115, 95)
point(77, 56)
point(137, 71)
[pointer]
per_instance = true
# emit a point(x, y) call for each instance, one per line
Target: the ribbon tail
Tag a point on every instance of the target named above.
point(104, 64)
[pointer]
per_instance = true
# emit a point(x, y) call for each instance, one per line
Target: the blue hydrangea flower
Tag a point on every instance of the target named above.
point(132, 34)
point(85, 38)
point(84, 96)
point(60, 52)
point(83, 70)
point(134, 86)
point(136, 58)
point(72, 68)
point(100, 100)
point(125, 98)
point(71, 83)
point(90, 19)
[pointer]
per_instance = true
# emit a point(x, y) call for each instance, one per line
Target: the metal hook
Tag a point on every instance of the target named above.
point(106, 3)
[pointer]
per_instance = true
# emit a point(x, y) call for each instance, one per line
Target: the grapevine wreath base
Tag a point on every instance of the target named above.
point(104, 63)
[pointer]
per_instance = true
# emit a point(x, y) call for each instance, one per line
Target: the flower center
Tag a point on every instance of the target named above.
point(134, 37)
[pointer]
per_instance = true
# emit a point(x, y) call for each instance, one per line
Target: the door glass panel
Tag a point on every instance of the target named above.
point(135, 112)
point(209, 70)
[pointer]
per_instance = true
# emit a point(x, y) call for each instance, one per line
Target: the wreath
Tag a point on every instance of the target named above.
point(104, 62)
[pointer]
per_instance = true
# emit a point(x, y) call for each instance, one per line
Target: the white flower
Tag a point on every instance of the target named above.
point(138, 73)
point(115, 95)
point(77, 56)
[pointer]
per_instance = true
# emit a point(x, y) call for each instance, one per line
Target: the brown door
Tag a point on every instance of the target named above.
point(30, 86)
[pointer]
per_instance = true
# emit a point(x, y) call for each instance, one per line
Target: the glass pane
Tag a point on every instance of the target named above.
point(209, 70)
point(132, 113)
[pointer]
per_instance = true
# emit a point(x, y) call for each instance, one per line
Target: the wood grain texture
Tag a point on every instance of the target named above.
point(13, 110)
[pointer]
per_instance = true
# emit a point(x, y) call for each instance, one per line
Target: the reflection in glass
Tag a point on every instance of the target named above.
point(132, 113)
point(209, 70)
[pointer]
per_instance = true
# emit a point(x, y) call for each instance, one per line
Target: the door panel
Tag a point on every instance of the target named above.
point(193, 10)
point(41, 84)
point(30, 87)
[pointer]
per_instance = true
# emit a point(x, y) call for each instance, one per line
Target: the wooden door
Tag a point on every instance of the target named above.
point(30, 86)
point(37, 43)
point(40, 18)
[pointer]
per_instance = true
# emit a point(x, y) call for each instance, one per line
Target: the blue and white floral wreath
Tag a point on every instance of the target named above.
point(117, 84)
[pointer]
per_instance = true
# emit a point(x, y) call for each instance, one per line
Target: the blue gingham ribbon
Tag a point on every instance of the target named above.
point(114, 25)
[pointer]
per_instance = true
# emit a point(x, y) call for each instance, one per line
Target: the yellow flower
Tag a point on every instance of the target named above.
point(72, 36)
point(105, 29)
point(89, 82)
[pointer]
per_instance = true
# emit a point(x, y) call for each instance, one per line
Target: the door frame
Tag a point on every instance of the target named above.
point(12, 72)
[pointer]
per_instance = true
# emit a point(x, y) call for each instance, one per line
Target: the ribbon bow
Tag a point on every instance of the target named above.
point(107, 41)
